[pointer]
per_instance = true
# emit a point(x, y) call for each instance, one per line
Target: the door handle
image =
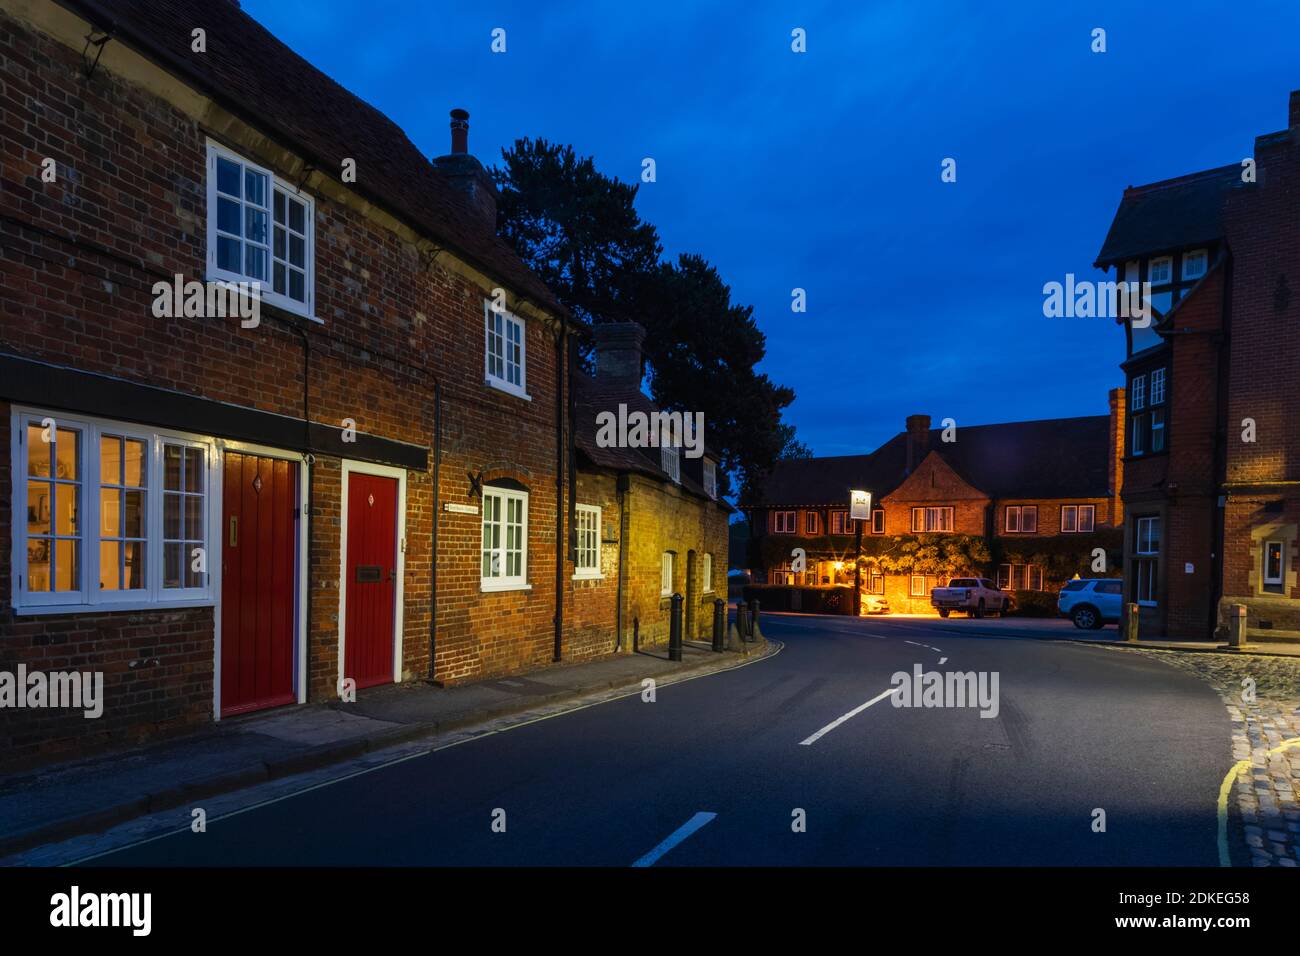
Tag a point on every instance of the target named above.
point(234, 531)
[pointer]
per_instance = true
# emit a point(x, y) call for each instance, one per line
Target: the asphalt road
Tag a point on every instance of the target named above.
point(1078, 728)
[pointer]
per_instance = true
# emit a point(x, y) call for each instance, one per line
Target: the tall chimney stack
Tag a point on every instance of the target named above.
point(467, 174)
point(918, 440)
point(618, 352)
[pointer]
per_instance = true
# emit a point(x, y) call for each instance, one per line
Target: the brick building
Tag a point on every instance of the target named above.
point(1028, 502)
point(368, 483)
point(664, 528)
point(1210, 472)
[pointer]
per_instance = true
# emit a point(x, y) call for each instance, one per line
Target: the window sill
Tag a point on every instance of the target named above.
point(487, 587)
point(273, 300)
point(507, 388)
point(588, 577)
point(110, 607)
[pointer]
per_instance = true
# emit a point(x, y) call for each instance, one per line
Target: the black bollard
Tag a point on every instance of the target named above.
point(719, 624)
point(675, 630)
point(742, 620)
point(753, 619)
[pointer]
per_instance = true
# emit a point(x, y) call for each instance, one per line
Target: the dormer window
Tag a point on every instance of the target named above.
point(670, 458)
point(711, 478)
point(1161, 271)
point(1195, 264)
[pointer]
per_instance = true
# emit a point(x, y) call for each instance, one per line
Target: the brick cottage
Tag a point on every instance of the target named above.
point(1037, 499)
point(1212, 459)
point(373, 481)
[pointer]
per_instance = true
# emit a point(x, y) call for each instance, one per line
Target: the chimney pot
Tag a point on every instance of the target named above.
point(459, 131)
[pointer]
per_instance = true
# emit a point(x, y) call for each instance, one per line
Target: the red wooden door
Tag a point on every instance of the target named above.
point(257, 582)
point(371, 579)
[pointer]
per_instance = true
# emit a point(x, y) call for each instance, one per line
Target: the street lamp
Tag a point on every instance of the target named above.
point(859, 511)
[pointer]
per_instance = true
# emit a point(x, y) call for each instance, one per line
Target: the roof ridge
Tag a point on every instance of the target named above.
point(1183, 180)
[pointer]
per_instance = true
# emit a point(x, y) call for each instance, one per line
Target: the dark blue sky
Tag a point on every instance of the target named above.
point(821, 170)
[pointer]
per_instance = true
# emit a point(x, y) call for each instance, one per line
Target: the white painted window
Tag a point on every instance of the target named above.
point(782, 522)
point(1137, 393)
point(504, 540)
point(840, 522)
point(918, 585)
point(505, 358)
point(260, 229)
point(711, 478)
point(670, 459)
point(666, 574)
point(932, 519)
point(706, 574)
point(587, 558)
point(1022, 519)
point(108, 515)
point(1161, 271)
point(1157, 429)
point(1195, 264)
point(1158, 386)
point(1020, 577)
point(1146, 550)
point(878, 521)
point(810, 524)
point(1273, 562)
point(1077, 518)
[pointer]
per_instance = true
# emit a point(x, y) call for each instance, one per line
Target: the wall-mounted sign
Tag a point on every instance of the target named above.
point(461, 509)
point(860, 505)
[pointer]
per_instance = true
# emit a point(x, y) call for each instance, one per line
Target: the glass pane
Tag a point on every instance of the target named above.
point(227, 254)
point(254, 262)
point(193, 578)
point(67, 461)
point(228, 216)
point(297, 286)
point(38, 507)
point(110, 460)
point(172, 467)
point(255, 187)
point(193, 517)
point(67, 573)
point(255, 225)
point(133, 573)
point(297, 216)
point(172, 556)
point(280, 242)
point(172, 517)
point(279, 206)
point(277, 280)
point(133, 514)
point(195, 459)
point(38, 564)
point(228, 177)
point(65, 510)
point(110, 572)
point(134, 463)
point(486, 570)
point(110, 512)
point(298, 251)
point(38, 451)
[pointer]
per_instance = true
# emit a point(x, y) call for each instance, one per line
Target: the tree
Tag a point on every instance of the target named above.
point(578, 229)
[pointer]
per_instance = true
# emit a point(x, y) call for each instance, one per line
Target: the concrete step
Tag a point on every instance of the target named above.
point(1273, 634)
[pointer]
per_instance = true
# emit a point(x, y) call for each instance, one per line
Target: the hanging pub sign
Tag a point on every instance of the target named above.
point(860, 505)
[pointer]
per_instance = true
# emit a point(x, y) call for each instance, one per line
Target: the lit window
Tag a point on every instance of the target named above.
point(1273, 563)
point(710, 478)
point(918, 585)
point(666, 575)
point(1161, 271)
point(504, 540)
point(706, 574)
point(505, 357)
point(96, 531)
point(260, 230)
point(932, 519)
point(587, 556)
point(1194, 264)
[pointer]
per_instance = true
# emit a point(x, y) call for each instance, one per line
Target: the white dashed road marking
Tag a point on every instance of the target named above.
point(849, 716)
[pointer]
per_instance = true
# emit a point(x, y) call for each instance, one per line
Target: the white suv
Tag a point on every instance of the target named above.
point(1091, 602)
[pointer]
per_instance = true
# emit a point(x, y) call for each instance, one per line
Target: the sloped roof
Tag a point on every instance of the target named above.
point(1167, 215)
point(255, 76)
point(1050, 458)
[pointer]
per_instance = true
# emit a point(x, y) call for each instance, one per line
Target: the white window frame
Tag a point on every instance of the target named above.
point(502, 382)
point(670, 460)
point(1203, 255)
point(784, 522)
point(1156, 395)
point(1157, 430)
point(913, 592)
point(881, 513)
point(666, 575)
point(1076, 522)
point(939, 512)
point(587, 525)
point(269, 296)
point(153, 595)
point(1281, 562)
point(1146, 560)
point(839, 522)
point(706, 574)
point(503, 581)
point(812, 518)
point(1137, 401)
point(711, 478)
point(1168, 263)
point(1021, 514)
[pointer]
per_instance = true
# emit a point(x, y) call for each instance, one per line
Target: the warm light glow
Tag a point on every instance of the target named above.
point(839, 565)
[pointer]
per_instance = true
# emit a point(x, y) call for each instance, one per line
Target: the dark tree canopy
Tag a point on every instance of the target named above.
point(578, 229)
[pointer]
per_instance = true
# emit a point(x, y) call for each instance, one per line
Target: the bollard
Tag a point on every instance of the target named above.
point(752, 633)
point(1130, 624)
point(742, 620)
point(1236, 625)
point(675, 630)
point(719, 623)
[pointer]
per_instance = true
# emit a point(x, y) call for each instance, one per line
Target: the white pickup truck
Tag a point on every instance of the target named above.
point(975, 596)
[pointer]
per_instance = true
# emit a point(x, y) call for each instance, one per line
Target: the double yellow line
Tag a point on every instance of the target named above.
point(1225, 788)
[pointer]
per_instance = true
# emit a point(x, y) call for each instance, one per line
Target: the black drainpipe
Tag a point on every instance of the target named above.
point(309, 460)
point(561, 345)
point(623, 482)
point(437, 508)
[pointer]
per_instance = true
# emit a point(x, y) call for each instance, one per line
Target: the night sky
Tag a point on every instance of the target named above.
point(821, 170)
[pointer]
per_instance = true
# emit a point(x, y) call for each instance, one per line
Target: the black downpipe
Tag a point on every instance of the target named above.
point(561, 345)
point(309, 508)
point(437, 514)
point(1217, 517)
point(623, 483)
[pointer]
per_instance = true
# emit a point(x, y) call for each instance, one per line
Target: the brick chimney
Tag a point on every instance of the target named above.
point(918, 440)
point(618, 352)
point(467, 174)
point(1294, 111)
point(1115, 452)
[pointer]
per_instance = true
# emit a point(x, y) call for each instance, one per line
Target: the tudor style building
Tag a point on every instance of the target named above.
point(372, 483)
point(1211, 470)
point(1039, 497)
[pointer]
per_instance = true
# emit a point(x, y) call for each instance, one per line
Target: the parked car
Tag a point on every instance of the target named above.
point(875, 604)
point(1091, 602)
point(975, 596)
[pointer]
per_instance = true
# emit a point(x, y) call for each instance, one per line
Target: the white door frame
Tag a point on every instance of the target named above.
point(300, 562)
point(351, 467)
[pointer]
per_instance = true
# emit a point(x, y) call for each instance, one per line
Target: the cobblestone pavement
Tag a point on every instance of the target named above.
point(1266, 792)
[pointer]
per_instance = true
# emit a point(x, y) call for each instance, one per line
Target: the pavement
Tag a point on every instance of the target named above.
point(1090, 757)
point(57, 802)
